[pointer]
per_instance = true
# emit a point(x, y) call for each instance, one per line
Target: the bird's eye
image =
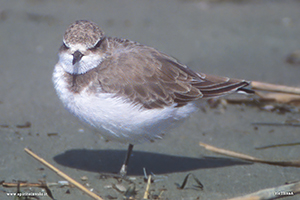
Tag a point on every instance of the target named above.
point(97, 45)
point(64, 47)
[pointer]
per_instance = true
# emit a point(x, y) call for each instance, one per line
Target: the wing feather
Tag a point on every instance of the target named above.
point(151, 79)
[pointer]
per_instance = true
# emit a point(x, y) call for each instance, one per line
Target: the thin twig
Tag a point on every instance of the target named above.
point(63, 175)
point(279, 97)
point(278, 145)
point(8, 185)
point(292, 163)
point(256, 85)
point(146, 194)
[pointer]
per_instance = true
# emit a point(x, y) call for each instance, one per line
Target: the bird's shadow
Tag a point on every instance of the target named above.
point(110, 161)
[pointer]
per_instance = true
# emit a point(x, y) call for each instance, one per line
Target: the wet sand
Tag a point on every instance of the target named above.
point(240, 39)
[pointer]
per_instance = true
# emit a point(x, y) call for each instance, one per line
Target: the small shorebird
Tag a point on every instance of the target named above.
point(129, 92)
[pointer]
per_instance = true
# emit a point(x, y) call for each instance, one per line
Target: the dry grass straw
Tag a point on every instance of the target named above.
point(265, 194)
point(146, 194)
point(278, 93)
point(63, 175)
point(291, 163)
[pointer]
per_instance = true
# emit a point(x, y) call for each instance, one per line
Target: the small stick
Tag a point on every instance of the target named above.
point(146, 194)
point(63, 175)
point(25, 184)
point(279, 97)
point(227, 152)
point(22, 184)
point(292, 163)
point(274, 88)
point(278, 145)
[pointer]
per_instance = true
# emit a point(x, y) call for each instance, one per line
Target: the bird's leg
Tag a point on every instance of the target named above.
point(123, 170)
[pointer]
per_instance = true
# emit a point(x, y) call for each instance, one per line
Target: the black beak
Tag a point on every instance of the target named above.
point(77, 55)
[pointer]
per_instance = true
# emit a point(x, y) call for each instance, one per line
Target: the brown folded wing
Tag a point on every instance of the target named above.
point(151, 79)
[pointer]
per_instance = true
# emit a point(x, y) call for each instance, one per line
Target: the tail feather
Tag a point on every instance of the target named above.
point(215, 86)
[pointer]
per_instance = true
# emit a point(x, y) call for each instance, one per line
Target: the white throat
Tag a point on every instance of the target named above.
point(86, 63)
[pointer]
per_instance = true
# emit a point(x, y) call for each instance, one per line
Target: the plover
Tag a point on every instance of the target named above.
point(127, 91)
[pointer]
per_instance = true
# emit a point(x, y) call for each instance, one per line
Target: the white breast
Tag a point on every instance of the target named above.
point(115, 118)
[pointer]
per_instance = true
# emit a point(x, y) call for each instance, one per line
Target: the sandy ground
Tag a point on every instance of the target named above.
point(241, 39)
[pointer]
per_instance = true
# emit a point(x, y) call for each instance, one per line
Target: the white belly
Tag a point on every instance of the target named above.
point(115, 118)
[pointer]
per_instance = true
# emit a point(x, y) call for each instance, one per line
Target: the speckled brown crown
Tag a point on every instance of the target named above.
point(83, 32)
